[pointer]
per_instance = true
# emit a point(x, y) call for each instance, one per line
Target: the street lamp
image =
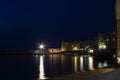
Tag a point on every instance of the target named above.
point(41, 46)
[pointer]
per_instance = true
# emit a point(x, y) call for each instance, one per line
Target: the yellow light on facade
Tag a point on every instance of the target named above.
point(62, 49)
point(75, 48)
point(102, 46)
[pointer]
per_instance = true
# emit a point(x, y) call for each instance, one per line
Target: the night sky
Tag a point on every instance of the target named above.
point(25, 23)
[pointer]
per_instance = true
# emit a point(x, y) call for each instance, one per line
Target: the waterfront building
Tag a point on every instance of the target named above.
point(70, 46)
point(65, 46)
point(103, 41)
point(54, 50)
point(106, 41)
point(90, 44)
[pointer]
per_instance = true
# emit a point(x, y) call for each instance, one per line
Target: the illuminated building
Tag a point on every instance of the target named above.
point(118, 26)
point(106, 41)
point(54, 50)
point(65, 46)
point(75, 46)
point(70, 46)
point(90, 44)
point(103, 41)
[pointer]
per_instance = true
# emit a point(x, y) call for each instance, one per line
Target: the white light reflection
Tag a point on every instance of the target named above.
point(81, 64)
point(91, 67)
point(105, 64)
point(41, 68)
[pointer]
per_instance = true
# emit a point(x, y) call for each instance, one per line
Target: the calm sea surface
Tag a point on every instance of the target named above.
point(35, 67)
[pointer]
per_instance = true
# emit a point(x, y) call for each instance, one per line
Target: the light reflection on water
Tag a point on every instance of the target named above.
point(75, 64)
point(103, 64)
point(54, 65)
point(41, 68)
point(81, 64)
point(91, 63)
point(38, 67)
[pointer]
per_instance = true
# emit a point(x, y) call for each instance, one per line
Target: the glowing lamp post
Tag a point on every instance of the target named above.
point(41, 46)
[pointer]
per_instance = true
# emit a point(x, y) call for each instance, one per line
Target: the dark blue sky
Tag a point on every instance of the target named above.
point(25, 23)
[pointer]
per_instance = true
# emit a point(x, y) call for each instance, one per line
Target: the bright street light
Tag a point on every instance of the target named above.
point(41, 46)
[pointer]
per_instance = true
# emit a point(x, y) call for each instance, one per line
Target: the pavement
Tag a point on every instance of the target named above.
point(97, 74)
point(114, 75)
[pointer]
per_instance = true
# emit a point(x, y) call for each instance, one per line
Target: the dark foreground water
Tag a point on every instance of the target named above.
point(35, 67)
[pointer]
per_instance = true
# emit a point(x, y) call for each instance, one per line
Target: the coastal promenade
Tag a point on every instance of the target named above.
point(89, 75)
